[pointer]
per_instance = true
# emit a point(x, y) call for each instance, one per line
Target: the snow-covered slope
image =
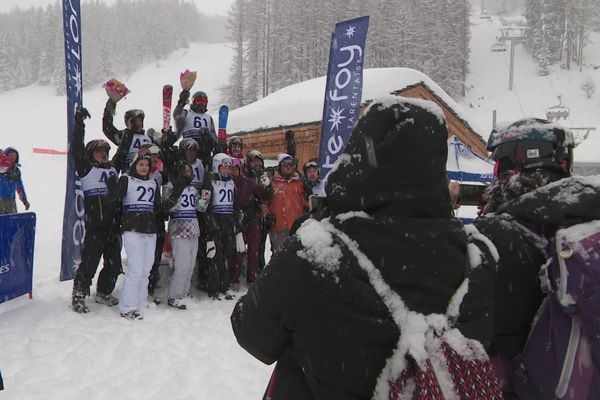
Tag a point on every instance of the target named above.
point(47, 352)
point(487, 85)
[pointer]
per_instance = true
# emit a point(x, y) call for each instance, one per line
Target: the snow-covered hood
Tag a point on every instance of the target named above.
point(394, 162)
point(562, 203)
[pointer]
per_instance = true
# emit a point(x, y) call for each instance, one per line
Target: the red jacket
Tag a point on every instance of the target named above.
point(288, 201)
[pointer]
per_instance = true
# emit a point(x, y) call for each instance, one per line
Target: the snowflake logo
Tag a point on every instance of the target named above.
point(350, 31)
point(76, 77)
point(336, 118)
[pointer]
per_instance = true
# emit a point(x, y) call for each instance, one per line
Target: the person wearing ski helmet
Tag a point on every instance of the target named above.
point(133, 133)
point(533, 196)
point(256, 227)
point(223, 226)
point(101, 218)
point(250, 195)
point(287, 196)
point(312, 177)
point(189, 149)
point(11, 182)
point(235, 147)
point(197, 124)
point(138, 194)
point(180, 199)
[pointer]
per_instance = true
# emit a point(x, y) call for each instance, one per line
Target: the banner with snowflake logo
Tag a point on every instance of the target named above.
point(343, 90)
point(73, 226)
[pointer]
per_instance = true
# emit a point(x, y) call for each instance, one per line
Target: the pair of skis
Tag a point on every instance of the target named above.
point(167, 98)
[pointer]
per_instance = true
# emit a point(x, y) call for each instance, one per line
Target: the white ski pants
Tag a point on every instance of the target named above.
point(184, 259)
point(140, 257)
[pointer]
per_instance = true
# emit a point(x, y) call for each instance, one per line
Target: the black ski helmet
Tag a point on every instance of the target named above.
point(199, 102)
point(131, 114)
point(529, 144)
point(94, 145)
point(188, 144)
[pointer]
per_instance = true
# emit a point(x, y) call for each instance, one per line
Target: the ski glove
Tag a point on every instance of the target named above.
point(211, 250)
point(240, 245)
point(203, 199)
point(264, 180)
point(81, 114)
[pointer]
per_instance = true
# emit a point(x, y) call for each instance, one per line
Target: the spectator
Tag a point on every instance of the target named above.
point(11, 182)
point(286, 200)
point(318, 309)
point(312, 177)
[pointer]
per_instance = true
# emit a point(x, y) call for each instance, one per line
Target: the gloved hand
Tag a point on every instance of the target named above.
point(211, 249)
point(81, 114)
point(240, 245)
point(264, 180)
point(203, 199)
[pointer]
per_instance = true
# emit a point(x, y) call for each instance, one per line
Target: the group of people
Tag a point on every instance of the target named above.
point(183, 191)
point(389, 296)
point(11, 183)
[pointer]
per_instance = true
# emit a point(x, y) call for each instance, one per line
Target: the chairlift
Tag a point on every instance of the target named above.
point(557, 112)
point(485, 16)
point(498, 47)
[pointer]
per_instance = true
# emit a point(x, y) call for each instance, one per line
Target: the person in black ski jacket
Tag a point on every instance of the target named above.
point(313, 309)
point(134, 128)
point(102, 218)
point(533, 192)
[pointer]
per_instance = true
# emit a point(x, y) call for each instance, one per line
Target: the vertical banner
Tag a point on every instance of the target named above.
point(73, 225)
point(17, 237)
point(343, 90)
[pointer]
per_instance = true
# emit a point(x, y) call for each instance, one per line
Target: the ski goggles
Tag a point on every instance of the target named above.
point(101, 145)
point(311, 164)
point(136, 114)
point(201, 101)
point(227, 162)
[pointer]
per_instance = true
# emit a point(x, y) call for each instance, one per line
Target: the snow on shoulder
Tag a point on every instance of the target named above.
point(318, 245)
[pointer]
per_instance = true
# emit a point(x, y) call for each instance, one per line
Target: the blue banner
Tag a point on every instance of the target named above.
point(343, 91)
point(17, 237)
point(73, 225)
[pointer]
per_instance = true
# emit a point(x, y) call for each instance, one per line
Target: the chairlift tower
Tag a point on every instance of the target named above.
point(514, 35)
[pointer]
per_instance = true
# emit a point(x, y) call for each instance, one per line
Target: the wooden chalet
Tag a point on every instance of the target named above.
point(271, 140)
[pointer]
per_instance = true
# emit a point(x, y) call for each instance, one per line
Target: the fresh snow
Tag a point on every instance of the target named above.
point(47, 351)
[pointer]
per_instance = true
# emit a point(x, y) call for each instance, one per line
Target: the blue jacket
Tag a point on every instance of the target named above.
point(10, 182)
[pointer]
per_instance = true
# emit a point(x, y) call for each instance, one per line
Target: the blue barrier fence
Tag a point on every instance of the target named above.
point(17, 239)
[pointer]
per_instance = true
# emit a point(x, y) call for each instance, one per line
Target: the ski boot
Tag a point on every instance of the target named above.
point(133, 315)
point(106, 299)
point(78, 302)
point(176, 303)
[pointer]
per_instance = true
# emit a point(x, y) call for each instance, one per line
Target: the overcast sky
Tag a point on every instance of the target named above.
point(206, 6)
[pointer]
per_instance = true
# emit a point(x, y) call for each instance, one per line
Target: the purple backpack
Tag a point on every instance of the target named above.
point(561, 359)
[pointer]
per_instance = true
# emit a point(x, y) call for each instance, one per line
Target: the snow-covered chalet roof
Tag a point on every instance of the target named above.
point(303, 102)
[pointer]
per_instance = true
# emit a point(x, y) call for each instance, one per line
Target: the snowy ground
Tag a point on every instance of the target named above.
point(49, 352)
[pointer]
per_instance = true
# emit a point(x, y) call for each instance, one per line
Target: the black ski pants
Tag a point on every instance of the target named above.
point(99, 242)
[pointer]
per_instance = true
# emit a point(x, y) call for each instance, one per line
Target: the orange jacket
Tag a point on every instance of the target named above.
point(288, 201)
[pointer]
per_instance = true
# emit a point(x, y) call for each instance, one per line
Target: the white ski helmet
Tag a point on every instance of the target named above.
point(221, 159)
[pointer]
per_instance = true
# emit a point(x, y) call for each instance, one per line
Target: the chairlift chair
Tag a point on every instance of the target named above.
point(557, 112)
point(498, 47)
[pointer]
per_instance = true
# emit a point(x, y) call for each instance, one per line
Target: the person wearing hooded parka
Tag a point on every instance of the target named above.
point(314, 311)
